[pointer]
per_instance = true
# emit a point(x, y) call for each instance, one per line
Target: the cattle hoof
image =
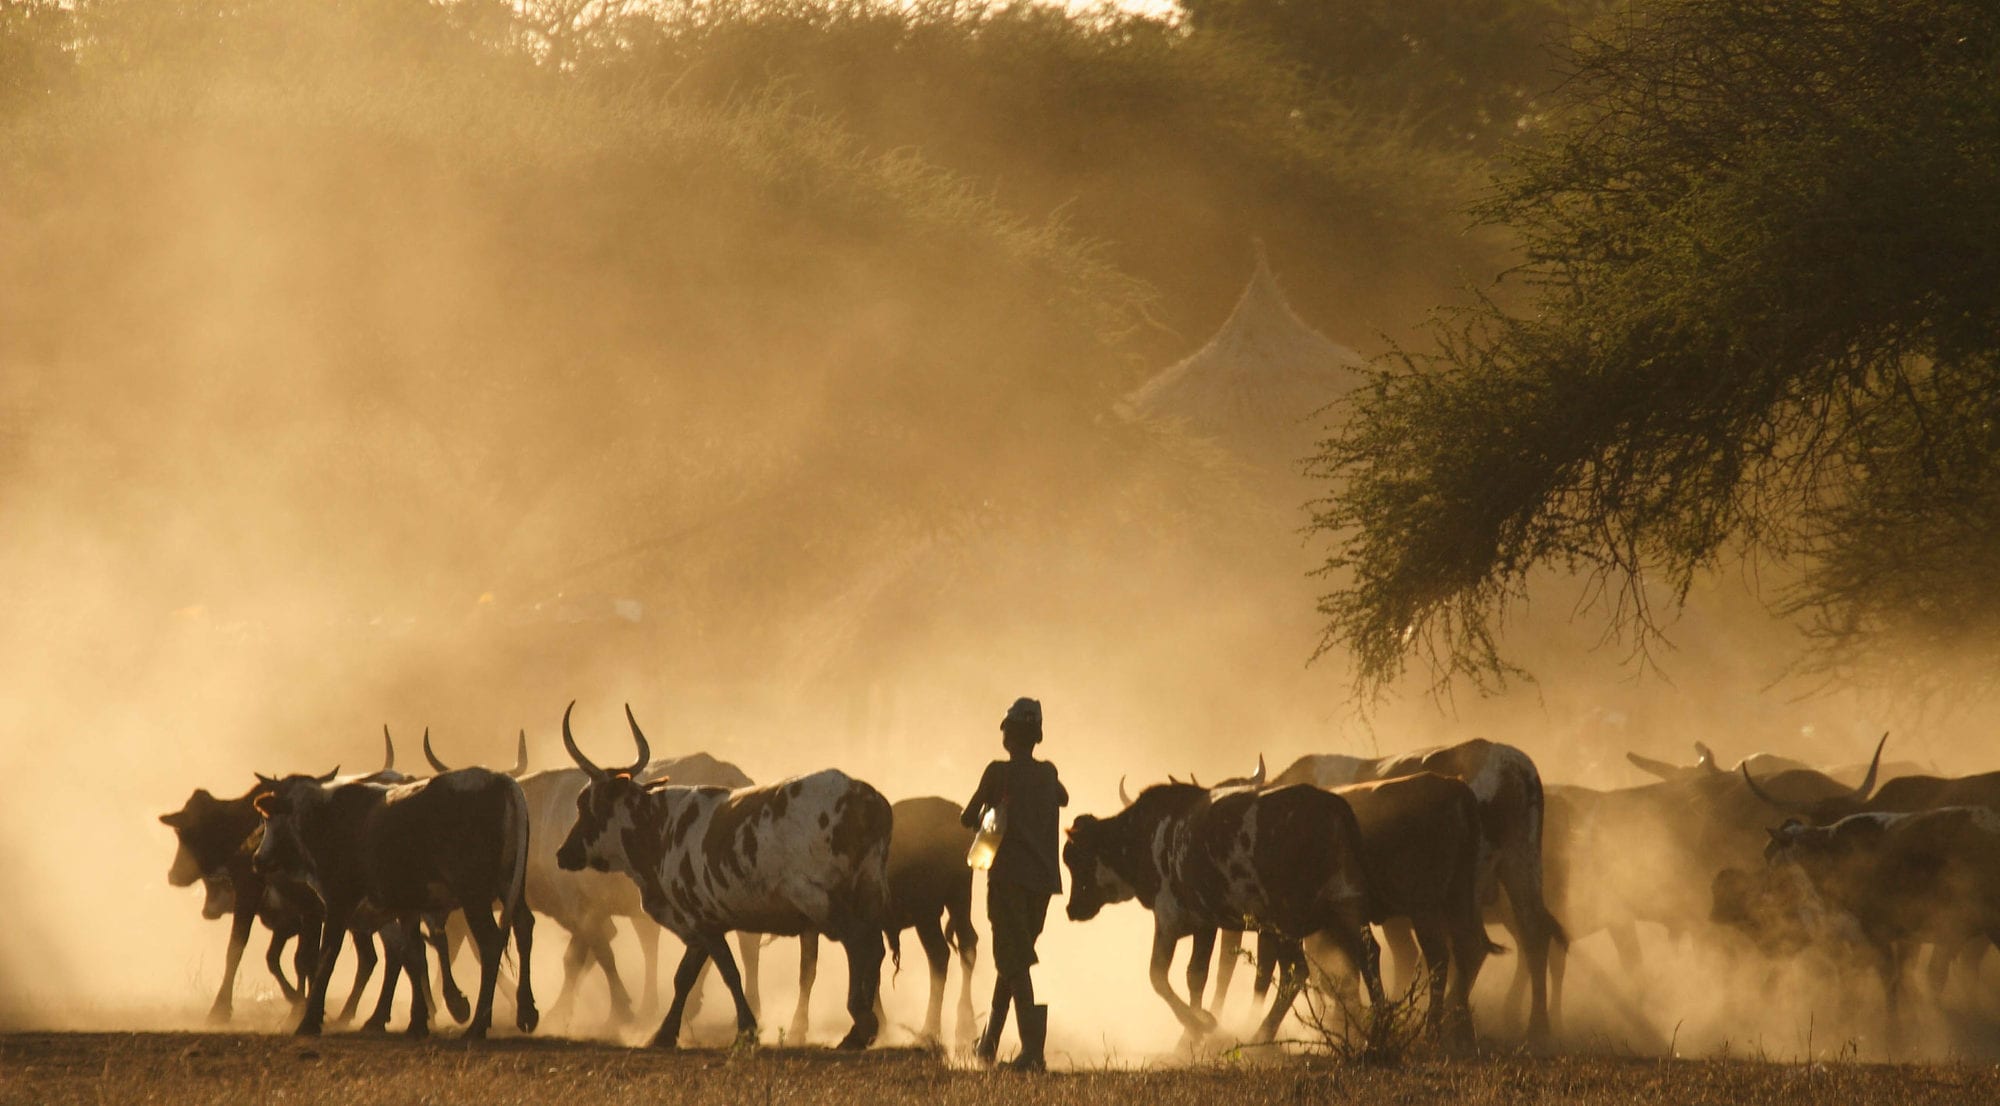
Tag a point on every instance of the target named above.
point(220, 1013)
point(527, 1018)
point(856, 1040)
point(473, 1033)
point(461, 1010)
point(417, 1031)
point(307, 1029)
point(666, 1040)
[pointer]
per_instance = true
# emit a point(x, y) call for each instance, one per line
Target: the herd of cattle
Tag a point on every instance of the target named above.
point(1432, 847)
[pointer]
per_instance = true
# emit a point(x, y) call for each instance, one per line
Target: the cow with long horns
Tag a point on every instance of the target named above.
point(1286, 861)
point(805, 854)
point(1905, 879)
point(588, 904)
point(456, 841)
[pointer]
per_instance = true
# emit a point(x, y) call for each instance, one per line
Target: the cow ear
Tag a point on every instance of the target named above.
point(173, 819)
point(663, 781)
point(621, 775)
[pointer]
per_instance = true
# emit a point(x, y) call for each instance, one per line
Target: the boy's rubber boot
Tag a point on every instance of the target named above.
point(988, 1048)
point(1034, 1021)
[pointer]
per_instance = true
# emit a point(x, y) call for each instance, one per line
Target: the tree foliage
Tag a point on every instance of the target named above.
point(1763, 249)
point(1462, 72)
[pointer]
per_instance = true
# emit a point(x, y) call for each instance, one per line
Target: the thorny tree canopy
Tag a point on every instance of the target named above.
point(1762, 266)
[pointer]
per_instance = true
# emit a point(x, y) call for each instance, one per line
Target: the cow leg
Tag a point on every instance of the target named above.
point(725, 966)
point(1889, 964)
point(937, 953)
point(959, 926)
point(1228, 950)
point(446, 939)
point(750, 949)
point(1193, 1020)
point(491, 941)
point(1201, 950)
point(334, 930)
point(364, 967)
point(648, 931)
point(808, 972)
point(574, 956)
point(685, 977)
point(864, 983)
point(1270, 947)
point(239, 936)
point(526, 1016)
point(1291, 980)
point(591, 940)
point(414, 959)
point(1429, 932)
point(385, 1003)
point(1403, 951)
point(305, 955)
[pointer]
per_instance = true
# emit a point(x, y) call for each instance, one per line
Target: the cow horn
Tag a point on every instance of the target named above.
point(1652, 767)
point(1766, 796)
point(1258, 779)
point(1122, 796)
point(1193, 780)
point(520, 757)
point(438, 766)
point(388, 750)
point(328, 778)
point(645, 750)
point(1868, 782)
point(576, 754)
point(1704, 757)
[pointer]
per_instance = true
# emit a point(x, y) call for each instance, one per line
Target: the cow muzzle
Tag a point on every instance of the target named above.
point(570, 857)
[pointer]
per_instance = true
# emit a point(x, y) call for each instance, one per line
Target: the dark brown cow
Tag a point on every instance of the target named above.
point(217, 840)
point(810, 853)
point(1420, 840)
point(1286, 861)
point(1905, 879)
point(1509, 789)
point(456, 841)
point(928, 880)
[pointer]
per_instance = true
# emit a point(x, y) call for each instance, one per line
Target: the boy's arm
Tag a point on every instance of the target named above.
point(1062, 793)
point(969, 817)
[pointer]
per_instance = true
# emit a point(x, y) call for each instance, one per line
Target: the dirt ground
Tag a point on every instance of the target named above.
point(173, 1068)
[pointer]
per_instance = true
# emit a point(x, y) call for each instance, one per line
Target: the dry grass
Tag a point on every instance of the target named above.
point(185, 1068)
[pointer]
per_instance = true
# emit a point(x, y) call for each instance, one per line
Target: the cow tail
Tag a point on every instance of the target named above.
point(1527, 882)
point(515, 831)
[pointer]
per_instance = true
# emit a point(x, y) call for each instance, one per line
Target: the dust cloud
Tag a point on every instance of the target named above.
point(360, 366)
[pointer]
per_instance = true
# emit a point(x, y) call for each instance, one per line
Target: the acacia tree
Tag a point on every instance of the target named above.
point(1762, 318)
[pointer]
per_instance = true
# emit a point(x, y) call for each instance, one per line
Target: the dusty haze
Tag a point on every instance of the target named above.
point(358, 370)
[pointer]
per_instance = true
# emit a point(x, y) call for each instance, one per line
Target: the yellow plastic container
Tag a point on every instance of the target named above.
point(986, 842)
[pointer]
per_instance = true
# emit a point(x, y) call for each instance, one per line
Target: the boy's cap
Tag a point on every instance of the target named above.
point(1025, 712)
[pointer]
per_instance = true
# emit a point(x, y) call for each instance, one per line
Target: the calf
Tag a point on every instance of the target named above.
point(456, 841)
point(806, 854)
point(1286, 861)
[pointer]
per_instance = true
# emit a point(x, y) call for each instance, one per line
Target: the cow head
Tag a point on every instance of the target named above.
point(1092, 881)
point(606, 808)
point(208, 832)
point(285, 805)
point(1775, 906)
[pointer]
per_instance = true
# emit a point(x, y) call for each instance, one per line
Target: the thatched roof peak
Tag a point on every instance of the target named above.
point(1256, 385)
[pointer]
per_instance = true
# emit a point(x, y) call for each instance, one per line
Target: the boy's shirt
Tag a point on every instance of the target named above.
point(1033, 797)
